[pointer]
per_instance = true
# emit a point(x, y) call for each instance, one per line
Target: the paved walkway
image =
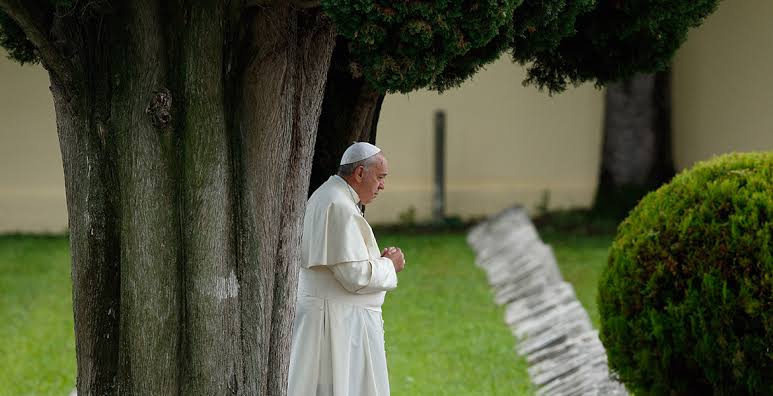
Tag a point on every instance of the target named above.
point(553, 330)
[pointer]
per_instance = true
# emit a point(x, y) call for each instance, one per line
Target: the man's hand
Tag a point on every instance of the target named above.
point(396, 255)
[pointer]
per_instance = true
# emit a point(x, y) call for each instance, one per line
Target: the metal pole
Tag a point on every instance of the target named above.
point(439, 204)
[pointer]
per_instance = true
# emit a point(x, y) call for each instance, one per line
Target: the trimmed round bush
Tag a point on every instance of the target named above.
point(686, 301)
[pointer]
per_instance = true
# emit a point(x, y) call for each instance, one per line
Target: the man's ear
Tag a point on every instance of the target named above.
point(359, 172)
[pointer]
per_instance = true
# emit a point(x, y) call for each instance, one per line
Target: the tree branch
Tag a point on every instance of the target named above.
point(294, 3)
point(30, 15)
point(306, 3)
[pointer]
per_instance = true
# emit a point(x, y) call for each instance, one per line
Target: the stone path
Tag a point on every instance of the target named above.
point(553, 330)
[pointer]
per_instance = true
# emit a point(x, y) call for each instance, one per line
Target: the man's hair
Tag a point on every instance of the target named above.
point(348, 169)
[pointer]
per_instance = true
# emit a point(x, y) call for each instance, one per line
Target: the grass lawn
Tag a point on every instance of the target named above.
point(37, 345)
point(444, 336)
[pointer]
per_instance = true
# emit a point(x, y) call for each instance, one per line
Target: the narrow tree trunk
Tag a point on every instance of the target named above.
point(150, 238)
point(308, 104)
point(186, 136)
point(350, 113)
point(93, 193)
point(207, 202)
point(263, 130)
point(636, 153)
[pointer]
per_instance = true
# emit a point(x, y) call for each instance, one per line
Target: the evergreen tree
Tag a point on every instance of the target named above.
point(561, 42)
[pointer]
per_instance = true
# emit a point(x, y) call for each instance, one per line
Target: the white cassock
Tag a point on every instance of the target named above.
point(338, 333)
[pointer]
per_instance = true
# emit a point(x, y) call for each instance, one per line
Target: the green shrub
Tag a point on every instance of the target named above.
point(686, 301)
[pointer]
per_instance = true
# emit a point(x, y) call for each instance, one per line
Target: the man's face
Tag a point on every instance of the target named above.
point(371, 179)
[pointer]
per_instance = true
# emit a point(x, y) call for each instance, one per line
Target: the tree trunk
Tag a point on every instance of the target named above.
point(350, 113)
point(187, 133)
point(636, 153)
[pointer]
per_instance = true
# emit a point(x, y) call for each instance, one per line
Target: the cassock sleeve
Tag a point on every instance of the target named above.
point(368, 276)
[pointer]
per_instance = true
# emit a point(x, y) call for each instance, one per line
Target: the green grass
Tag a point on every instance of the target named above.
point(37, 345)
point(581, 259)
point(444, 335)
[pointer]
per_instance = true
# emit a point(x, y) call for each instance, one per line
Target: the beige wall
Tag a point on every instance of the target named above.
point(723, 84)
point(31, 178)
point(506, 144)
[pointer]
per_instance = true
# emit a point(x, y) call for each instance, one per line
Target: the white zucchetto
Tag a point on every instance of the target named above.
point(358, 152)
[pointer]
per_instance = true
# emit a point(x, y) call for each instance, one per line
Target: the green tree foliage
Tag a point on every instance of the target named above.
point(539, 29)
point(404, 45)
point(686, 302)
point(14, 41)
point(400, 46)
point(614, 40)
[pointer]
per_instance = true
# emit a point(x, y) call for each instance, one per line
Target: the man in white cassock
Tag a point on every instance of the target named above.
point(338, 333)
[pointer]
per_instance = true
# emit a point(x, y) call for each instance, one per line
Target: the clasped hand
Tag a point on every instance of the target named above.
point(396, 255)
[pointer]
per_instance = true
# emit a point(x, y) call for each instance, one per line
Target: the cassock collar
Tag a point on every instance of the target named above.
point(352, 194)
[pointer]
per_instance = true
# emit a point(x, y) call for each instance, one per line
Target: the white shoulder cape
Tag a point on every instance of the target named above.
point(334, 231)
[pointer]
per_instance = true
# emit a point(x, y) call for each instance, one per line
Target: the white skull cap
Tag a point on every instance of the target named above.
point(358, 152)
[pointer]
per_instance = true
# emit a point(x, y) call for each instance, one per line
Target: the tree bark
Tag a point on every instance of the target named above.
point(150, 237)
point(350, 113)
point(636, 152)
point(212, 347)
point(82, 108)
point(186, 132)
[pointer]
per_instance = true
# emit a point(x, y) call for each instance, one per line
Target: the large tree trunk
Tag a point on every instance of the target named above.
point(636, 153)
point(187, 133)
point(350, 113)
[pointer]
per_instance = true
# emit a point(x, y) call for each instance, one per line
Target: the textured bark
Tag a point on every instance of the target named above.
point(350, 113)
point(88, 154)
point(315, 45)
point(93, 243)
point(150, 230)
point(187, 132)
point(213, 346)
point(264, 132)
point(636, 153)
